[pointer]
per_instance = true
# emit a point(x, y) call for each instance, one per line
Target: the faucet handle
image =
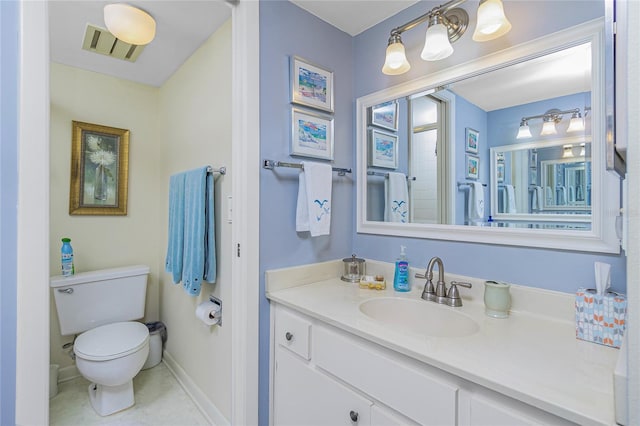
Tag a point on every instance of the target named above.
point(421, 276)
point(453, 296)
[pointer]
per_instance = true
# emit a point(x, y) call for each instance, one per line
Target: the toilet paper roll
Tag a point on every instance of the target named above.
point(208, 312)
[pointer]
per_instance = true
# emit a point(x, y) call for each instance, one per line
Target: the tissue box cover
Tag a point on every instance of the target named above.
point(600, 318)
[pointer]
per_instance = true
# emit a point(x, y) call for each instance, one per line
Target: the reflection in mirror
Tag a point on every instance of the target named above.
point(431, 146)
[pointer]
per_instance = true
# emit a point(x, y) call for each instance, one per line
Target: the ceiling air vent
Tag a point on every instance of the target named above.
point(101, 41)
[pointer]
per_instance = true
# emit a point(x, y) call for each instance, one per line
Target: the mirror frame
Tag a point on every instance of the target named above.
point(602, 238)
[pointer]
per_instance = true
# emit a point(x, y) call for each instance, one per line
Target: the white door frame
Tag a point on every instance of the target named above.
point(32, 346)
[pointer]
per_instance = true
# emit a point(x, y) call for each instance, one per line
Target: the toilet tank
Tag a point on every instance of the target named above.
point(90, 299)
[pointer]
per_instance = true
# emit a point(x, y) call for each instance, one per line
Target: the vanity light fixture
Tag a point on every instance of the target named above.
point(446, 24)
point(548, 126)
point(129, 24)
point(524, 131)
point(567, 151)
point(549, 121)
point(582, 150)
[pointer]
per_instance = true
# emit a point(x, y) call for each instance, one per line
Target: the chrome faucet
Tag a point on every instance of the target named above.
point(440, 294)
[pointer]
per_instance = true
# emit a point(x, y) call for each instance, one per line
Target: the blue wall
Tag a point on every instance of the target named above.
point(287, 30)
point(9, 38)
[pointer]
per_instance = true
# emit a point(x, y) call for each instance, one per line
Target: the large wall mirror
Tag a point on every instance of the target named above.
point(507, 149)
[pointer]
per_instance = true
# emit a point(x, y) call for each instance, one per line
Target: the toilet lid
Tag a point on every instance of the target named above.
point(111, 341)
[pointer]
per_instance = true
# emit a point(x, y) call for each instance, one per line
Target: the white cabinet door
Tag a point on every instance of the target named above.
point(500, 411)
point(305, 396)
point(384, 417)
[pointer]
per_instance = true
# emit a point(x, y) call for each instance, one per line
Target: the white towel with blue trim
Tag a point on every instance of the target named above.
point(396, 195)
point(475, 203)
point(313, 211)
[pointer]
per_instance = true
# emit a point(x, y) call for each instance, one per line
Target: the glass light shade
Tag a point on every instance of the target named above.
point(395, 60)
point(567, 151)
point(582, 150)
point(492, 22)
point(548, 128)
point(129, 23)
point(436, 43)
point(575, 125)
point(524, 132)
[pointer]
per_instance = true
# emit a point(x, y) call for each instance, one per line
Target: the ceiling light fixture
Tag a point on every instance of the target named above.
point(446, 24)
point(129, 24)
point(549, 121)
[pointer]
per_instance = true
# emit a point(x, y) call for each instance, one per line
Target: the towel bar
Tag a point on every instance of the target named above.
point(271, 164)
point(460, 184)
point(222, 170)
point(386, 175)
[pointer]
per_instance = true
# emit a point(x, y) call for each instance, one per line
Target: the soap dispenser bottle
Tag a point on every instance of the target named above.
point(401, 273)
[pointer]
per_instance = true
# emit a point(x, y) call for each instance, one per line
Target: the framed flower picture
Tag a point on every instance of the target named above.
point(311, 134)
point(99, 170)
point(471, 140)
point(383, 150)
point(385, 115)
point(472, 167)
point(311, 84)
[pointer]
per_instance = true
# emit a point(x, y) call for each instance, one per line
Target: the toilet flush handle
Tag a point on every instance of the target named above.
point(65, 290)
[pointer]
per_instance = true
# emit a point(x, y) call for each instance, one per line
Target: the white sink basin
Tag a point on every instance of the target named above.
point(419, 316)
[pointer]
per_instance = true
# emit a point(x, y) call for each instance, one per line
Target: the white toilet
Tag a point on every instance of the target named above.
point(112, 347)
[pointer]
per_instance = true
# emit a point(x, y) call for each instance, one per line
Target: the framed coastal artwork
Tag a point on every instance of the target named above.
point(472, 167)
point(311, 84)
point(383, 150)
point(471, 140)
point(311, 134)
point(385, 115)
point(500, 172)
point(99, 170)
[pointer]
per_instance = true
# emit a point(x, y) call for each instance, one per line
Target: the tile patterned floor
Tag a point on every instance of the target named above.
point(160, 400)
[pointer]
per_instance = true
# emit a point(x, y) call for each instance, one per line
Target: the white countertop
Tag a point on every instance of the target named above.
point(532, 356)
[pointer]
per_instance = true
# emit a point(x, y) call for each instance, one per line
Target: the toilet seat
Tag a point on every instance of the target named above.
point(111, 341)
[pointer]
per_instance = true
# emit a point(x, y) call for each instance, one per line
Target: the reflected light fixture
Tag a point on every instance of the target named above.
point(567, 151)
point(576, 124)
point(446, 24)
point(395, 60)
point(492, 22)
point(129, 24)
point(549, 121)
point(582, 150)
point(524, 131)
point(548, 126)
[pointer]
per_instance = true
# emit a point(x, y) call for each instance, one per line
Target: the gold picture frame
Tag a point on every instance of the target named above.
point(99, 170)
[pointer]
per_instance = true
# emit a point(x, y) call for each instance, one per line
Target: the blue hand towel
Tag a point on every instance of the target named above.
point(173, 261)
point(199, 231)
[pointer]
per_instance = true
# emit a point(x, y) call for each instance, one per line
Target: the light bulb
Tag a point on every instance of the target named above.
point(548, 127)
point(436, 43)
point(395, 60)
point(492, 22)
point(524, 131)
point(576, 124)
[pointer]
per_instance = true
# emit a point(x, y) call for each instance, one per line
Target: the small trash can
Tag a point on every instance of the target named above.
point(53, 380)
point(157, 337)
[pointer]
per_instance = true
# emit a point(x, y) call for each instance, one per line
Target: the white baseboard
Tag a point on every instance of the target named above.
point(208, 409)
point(67, 373)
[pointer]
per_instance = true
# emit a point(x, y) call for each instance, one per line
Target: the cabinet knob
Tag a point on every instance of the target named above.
point(288, 336)
point(354, 416)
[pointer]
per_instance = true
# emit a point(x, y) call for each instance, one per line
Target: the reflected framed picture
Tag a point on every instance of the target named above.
point(311, 134)
point(472, 167)
point(383, 149)
point(500, 172)
point(311, 84)
point(99, 170)
point(385, 115)
point(471, 140)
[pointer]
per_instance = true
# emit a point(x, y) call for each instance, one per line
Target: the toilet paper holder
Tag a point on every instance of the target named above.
point(218, 302)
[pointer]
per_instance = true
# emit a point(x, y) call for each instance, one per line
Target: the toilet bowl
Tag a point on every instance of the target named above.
point(110, 356)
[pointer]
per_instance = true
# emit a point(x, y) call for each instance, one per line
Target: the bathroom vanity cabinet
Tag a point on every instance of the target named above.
point(323, 375)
